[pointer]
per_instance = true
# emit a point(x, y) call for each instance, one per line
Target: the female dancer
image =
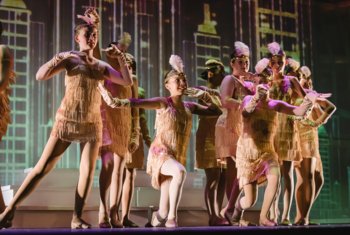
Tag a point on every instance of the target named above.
point(228, 127)
point(309, 169)
point(205, 149)
point(287, 89)
point(257, 160)
point(78, 118)
point(7, 77)
point(167, 155)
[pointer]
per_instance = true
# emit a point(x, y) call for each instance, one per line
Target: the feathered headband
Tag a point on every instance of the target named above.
point(295, 65)
point(262, 68)
point(241, 49)
point(261, 65)
point(305, 71)
point(177, 66)
point(275, 49)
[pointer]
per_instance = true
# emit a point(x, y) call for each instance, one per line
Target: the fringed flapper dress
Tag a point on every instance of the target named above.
point(78, 118)
point(117, 124)
point(173, 129)
point(205, 143)
point(256, 154)
point(138, 156)
point(308, 138)
point(7, 78)
point(229, 125)
point(286, 138)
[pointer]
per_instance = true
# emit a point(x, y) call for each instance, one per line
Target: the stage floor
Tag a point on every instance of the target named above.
point(320, 229)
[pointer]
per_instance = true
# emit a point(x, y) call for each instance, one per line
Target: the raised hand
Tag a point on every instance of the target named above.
point(261, 91)
point(113, 51)
point(90, 16)
point(195, 92)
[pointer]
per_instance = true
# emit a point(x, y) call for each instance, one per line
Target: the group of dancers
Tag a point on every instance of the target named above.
point(254, 129)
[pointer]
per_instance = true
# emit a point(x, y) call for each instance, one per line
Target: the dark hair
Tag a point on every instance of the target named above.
point(0, 29)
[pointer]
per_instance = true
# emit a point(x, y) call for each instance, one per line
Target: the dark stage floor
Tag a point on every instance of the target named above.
point(320, 229)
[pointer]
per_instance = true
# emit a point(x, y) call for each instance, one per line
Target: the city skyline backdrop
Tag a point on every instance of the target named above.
point(36, 30)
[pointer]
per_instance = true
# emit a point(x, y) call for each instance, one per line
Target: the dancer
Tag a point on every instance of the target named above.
point(214, 191)
point(121, 136)
point(228, 127)
point(137, 156)
point(288, 89)
point(167, 155)
point(78, 118)
point(309, 169)
point(256, 159)
point(7, 77)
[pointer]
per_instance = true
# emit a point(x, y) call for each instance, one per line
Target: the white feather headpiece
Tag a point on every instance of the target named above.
point(295, 65)
point(241, 49)
point(261, 65)
point(306, 71)
point(176, 63)
point(274, 48)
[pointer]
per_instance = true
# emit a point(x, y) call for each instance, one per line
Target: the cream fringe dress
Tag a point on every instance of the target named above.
point(256, 154)
point(229, 125)
point(286, 139)
point(171, 139)
point(7, 76)
point(79, 118)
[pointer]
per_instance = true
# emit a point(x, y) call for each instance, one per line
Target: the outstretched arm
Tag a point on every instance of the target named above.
point(303, 110)
point(152, 103)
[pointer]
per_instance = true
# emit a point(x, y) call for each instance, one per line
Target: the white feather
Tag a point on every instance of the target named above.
point(176, 63)
point(293, 64)
point(241, 49)
point(306, 71)
point(261, 65)
point(274, 48)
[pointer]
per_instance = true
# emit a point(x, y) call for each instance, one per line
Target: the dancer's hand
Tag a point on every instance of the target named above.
point(195, 92)
point(110, 101)
point(113, 51)
point(90, 16)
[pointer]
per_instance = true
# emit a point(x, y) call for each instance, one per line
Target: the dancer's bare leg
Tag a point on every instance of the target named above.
point(232, 189)
point(298, 194)
point(273, 179)
point(107, 165)
point(127, 193)
point(178, 173)
point(89, 154)
point(287, 171)
point(115, 190)
point(51, 154)
point(308, 166)
point(319, 181)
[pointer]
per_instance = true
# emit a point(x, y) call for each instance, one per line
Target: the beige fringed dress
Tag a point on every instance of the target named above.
point(229, 125)
point(308, 136)
point(171, 139)
point(205, 143)
point(117, 122)
point(78, 119)
point(7, 78)
point(256, 154)
point(286, 139)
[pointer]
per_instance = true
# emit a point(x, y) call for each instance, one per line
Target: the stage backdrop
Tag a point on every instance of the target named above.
point(35, 30)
